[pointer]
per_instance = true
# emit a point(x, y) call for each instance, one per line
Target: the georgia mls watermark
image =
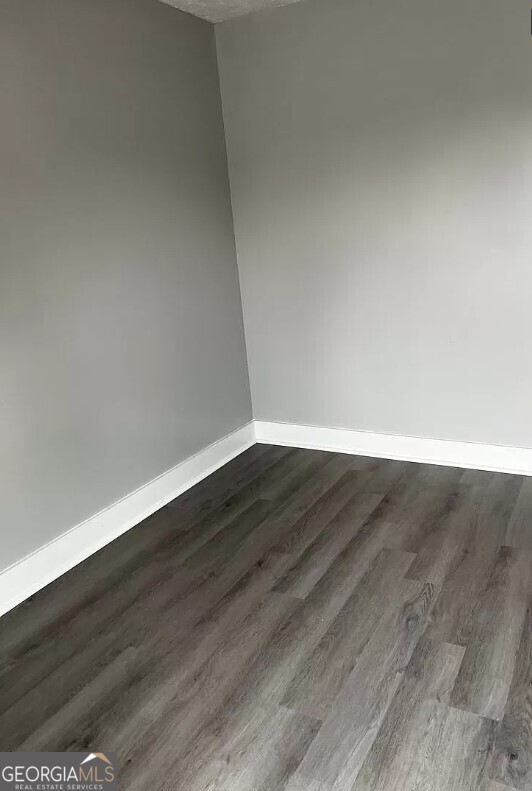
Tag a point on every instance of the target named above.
point(58, 772)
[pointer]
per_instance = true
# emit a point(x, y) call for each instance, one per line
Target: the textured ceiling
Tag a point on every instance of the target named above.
point(218, 10)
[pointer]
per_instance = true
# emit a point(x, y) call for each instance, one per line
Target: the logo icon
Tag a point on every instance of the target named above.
point(92, 756)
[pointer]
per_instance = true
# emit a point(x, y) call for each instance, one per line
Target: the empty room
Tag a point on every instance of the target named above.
point(265, 390)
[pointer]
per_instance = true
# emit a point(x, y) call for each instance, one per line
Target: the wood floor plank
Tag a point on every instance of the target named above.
point(393, 476)
point(519, 532)
point(230, 569)
point(90, 580)
point(212, 631)
point(262, 688)
point(219, 550)
point(132, 625)
point(422, 508)
point(513, 741)
point(409, 505)
point(371, 463)
point(502, 494)
point(446, 749)
point(336, 755)
point(190, 541)
point(485, 675)
point(468, 570)
point(209, 494)
point(45, 699)
point(300, 621)
point(477, 477)
point(312, 564)
point(440, 477)
point(63, 640)
point(443, 537)
point(53, 734)
point(429, 676)
point(321, 677)
point(262, 759)
point(186, 711)
point(240, 569)
point(81, 586)
point(298, 467)
point(302, 632)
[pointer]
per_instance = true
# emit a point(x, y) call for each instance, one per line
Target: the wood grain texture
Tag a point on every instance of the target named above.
point(519, 533)
point(513, 743)
point(335, 756)
point(300, 621)
point(485, 675)
point(322, 676)
point(446, 748)
point(429, 676)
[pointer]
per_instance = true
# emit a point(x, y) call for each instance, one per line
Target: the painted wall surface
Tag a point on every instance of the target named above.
point(380, 157)
point(121, 340)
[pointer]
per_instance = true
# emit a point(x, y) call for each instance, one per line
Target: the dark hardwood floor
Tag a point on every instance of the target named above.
point(301, 620)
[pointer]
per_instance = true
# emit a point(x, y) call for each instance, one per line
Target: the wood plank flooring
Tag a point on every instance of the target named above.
point(299, 621)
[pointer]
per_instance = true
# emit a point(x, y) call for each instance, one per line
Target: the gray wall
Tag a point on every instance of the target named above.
point(380, 157)
point(121, 342)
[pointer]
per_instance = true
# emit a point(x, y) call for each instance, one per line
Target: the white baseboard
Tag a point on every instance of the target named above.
point(495, 458)
point(33, 572)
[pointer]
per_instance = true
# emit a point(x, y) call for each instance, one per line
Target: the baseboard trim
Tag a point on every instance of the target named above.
point(46, 564)
point(37, 570)
point(495, 458)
